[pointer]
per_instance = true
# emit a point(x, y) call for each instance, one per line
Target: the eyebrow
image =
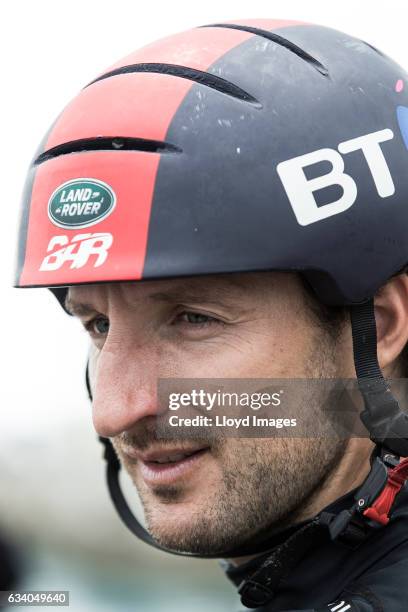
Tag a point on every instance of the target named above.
point(220, 295)
point(224, 293)
point(80, 309)
point(215, 297)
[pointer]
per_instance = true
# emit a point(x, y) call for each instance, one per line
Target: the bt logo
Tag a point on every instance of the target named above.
point(300, 190)
point(76, 251)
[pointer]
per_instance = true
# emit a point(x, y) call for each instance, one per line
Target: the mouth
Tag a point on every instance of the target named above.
point(166, 466)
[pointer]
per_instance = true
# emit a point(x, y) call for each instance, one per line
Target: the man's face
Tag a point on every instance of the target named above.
point(198, 495)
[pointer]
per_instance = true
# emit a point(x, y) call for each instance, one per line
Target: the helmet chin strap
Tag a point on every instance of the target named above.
point(382, 416)
point(388, 428)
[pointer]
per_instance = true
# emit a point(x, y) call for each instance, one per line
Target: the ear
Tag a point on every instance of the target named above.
point(391, 314)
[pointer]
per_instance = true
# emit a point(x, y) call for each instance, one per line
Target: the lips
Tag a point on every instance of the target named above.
point(166, 465)
point(163, 454)
point(172, 458)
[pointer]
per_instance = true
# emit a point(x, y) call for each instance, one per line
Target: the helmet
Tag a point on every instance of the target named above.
point(237, 146)
point(227, 148)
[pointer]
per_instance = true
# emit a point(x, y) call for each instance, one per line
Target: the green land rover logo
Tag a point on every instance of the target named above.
point(81, 203)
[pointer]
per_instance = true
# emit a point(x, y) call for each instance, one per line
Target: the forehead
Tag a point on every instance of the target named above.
point(223, 287)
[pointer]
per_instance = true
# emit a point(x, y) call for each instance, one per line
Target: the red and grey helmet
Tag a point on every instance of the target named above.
point(238, 146)
point(227, 148)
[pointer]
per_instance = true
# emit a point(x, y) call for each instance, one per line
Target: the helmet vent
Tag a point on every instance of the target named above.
point(110, 143)
point(203, 78)
point(280, 40)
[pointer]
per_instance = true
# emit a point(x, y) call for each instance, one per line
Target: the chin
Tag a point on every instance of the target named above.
point(179, 525)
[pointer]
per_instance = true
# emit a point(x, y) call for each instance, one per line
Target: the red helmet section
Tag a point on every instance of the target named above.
point(138, 105)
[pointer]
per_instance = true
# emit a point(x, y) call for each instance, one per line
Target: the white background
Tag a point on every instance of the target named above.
point(49, 50)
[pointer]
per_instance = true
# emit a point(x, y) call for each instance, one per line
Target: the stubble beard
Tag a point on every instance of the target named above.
point(263, 486)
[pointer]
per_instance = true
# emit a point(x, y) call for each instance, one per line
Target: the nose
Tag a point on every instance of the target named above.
point(124, 389)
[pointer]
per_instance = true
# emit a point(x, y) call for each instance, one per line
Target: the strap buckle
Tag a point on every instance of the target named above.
point(380, 509)
point(373, 502)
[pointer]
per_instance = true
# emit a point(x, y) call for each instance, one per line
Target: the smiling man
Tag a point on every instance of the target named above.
point(216, 206)
point(241, 326)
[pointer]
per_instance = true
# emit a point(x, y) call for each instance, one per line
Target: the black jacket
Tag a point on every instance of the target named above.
point(315, 574)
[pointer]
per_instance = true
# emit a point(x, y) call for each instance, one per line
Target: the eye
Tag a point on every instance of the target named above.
point(98, 326)
point(197, 319)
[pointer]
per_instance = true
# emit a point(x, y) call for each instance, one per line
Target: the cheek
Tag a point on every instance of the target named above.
point(251, 352)
point(270, 351)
